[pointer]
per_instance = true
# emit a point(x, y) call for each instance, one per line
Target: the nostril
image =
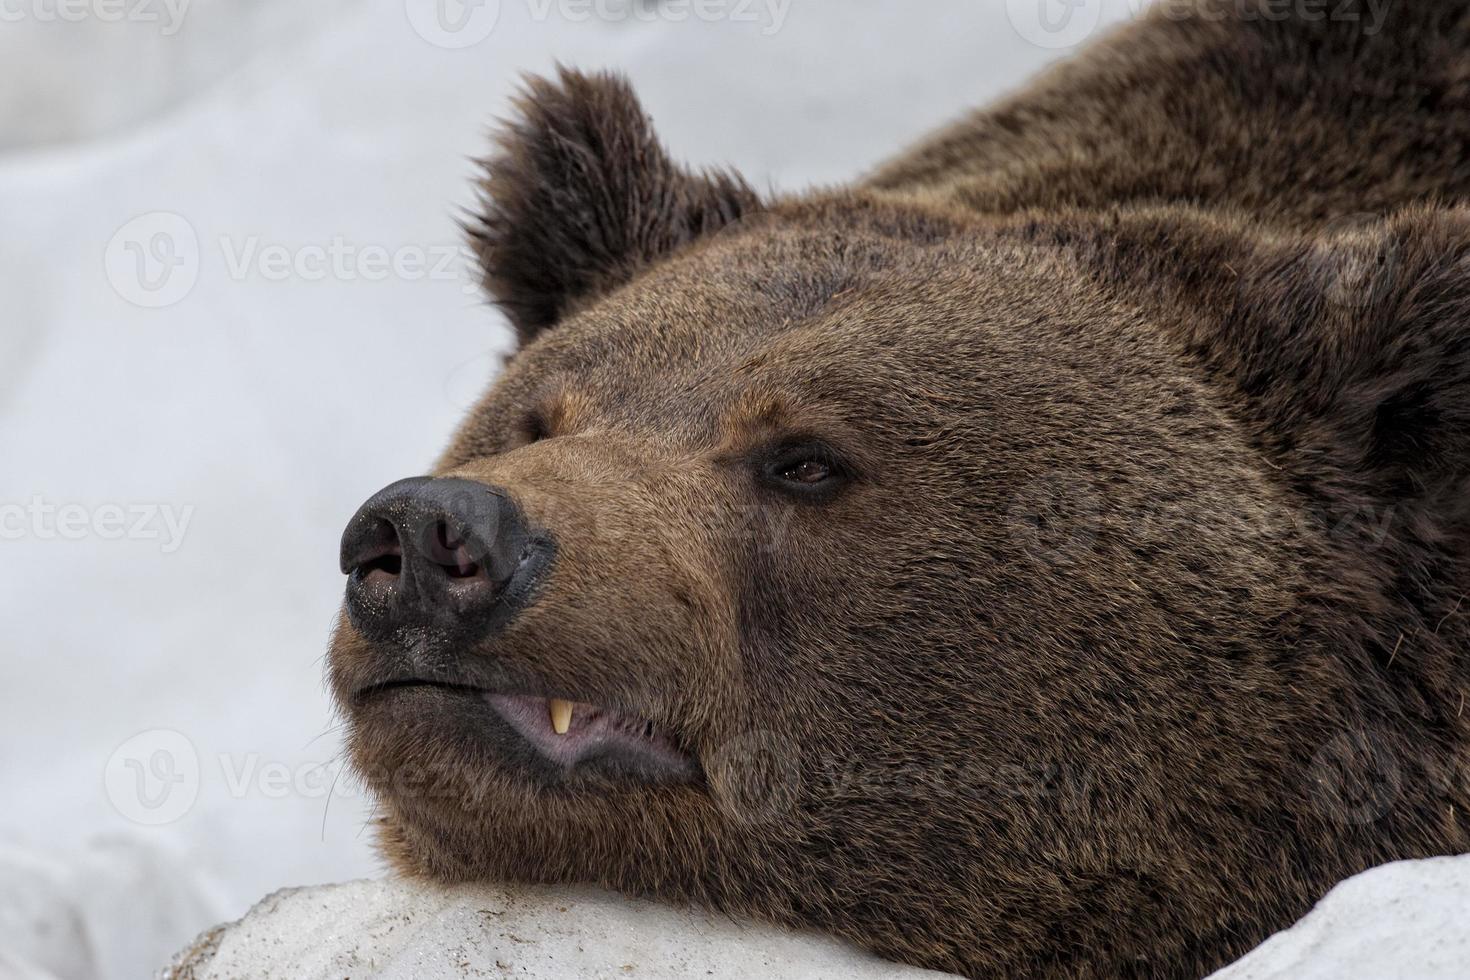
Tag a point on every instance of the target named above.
point(379, 556)
point(389, 565)
point(452, 552)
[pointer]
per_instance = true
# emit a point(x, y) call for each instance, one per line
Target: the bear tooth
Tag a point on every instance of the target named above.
point(561, 715)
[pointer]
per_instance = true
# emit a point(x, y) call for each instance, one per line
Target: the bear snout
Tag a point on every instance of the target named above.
point(450, 558)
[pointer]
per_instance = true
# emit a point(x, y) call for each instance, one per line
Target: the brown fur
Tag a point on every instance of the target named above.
point(1139, 623)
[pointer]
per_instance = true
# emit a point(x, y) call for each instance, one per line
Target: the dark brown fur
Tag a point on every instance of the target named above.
point(1139, 625)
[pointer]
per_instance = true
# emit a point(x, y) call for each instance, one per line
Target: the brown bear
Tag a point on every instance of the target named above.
point(1045, 557)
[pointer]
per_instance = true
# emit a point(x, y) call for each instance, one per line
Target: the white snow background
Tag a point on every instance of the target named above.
point(224, 304)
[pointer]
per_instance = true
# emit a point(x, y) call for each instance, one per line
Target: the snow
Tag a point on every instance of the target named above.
point(1402, 921)
point(179, 462)
point(397, 930)
point(62, 919)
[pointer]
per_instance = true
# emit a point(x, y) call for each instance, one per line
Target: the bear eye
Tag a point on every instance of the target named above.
point(808, 469)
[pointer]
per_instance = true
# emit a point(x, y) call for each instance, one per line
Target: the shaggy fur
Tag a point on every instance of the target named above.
point(1134, 621)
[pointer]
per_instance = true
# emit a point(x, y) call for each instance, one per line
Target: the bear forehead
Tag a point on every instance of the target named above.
point(837, 321)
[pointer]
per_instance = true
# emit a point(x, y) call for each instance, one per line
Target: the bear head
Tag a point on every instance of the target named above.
point(1013, 594)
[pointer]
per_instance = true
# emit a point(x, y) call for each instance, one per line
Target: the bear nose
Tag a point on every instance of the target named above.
point(448, 557)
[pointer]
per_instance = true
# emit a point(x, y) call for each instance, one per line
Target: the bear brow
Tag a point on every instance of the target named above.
point(562, 410)
point(754, 417)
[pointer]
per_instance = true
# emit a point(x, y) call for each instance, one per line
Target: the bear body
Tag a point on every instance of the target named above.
point(1046, 557)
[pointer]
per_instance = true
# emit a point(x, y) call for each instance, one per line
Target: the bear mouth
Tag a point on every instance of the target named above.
point(567, 736)
point(569, 733)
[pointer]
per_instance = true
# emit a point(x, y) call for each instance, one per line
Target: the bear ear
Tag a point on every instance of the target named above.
point(1344, 352)
point(1361, 334)
point(579, 195)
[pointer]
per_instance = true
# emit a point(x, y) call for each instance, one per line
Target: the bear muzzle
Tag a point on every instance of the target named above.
point(437, 568)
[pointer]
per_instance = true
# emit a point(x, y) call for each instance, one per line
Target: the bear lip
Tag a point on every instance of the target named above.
point(593, 731)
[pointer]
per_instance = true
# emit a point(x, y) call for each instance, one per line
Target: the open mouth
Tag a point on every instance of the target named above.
point(568, 734)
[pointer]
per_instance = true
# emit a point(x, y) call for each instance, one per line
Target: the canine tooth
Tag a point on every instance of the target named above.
point(561, 715)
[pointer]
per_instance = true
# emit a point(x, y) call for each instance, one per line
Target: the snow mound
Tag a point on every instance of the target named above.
point(1403, 921)
point(398, 929)
point(108, 911)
